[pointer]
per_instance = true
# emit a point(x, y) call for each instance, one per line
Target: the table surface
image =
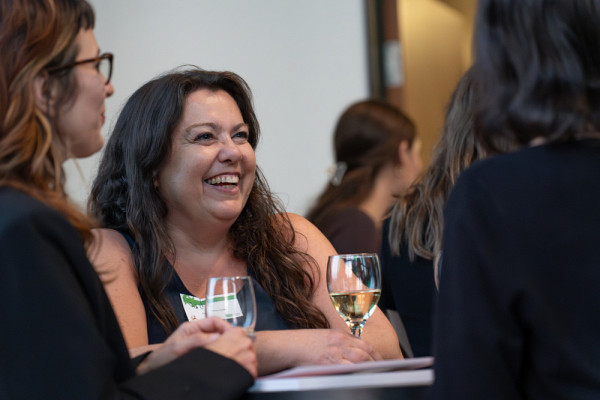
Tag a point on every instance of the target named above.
point(400, 385)
point(387, 393)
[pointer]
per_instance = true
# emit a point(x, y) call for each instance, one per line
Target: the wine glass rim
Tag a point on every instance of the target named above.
point(231, 277)
point(354, 255)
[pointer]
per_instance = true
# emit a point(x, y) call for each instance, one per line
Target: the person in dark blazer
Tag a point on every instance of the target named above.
point(60, 338)
point(518, 311)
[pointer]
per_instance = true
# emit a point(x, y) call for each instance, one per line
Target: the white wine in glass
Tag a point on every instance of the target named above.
point(354, 284)
point(232, 298)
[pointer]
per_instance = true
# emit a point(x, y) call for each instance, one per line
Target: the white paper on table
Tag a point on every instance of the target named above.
point(368, 366)
point(404, 378)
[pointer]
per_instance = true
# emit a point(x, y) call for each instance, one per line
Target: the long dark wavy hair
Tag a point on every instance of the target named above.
point(124, 198)
point(418, 217)
point(36, 35)
point(538, 66)
point(366, 138)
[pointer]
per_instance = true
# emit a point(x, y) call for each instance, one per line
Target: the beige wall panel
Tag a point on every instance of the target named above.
point(433, 36)
point(468, 9)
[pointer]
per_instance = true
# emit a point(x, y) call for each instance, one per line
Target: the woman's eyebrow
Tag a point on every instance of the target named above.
point(211, 125)
point(241, 125)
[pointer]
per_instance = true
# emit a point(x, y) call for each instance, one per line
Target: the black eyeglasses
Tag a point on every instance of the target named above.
point(103, 65)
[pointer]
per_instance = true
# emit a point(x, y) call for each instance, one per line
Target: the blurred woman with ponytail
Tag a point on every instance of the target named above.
point(377, 156)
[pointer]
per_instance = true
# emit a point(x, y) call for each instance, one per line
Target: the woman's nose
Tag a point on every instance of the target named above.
point(109, 89)
point(230, 151)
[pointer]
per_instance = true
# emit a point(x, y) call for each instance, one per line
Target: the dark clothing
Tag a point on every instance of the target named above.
point(408, 287)
point(60, 338)
point(519, 312)
point(352, 231)
point(267, 316)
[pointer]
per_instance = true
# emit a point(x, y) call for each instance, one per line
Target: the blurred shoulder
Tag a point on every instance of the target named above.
point(494, 173)
point(21, 215)
point(110, 239)
point(297, 219)
point(493, 165)
point(110, 253)
point(350, 219)
point(300, 224)
point(20, 203)
point(523, 159)
point(352, 212)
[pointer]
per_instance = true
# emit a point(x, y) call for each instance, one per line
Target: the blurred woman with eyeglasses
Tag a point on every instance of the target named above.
point(60, 338)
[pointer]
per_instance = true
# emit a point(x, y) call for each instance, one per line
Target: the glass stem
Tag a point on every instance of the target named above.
point(356, 330)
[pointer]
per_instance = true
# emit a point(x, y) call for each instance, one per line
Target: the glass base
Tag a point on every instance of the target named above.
point(356, 328)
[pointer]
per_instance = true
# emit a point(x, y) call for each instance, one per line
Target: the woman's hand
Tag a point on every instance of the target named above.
point(279, 350)
point(234, 344)
point(331, 346)
point(212, 333)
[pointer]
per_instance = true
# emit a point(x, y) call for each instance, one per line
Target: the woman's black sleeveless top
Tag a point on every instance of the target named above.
point(267, 318)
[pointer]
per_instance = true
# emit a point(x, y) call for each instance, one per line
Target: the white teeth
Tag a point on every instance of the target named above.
point(224, 179)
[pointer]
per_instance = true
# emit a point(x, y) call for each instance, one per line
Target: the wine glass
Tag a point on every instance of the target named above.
point(232, 298)
point(354, 284)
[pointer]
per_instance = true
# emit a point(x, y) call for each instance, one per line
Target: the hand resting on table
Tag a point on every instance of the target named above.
point(310, 347)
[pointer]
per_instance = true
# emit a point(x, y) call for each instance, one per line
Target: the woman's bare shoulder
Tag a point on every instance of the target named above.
point(305, 227)
point(308, 238)
point(111, 255)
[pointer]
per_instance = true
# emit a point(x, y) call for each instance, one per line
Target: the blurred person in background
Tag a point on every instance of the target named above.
point(412, 236)
point(377, 156)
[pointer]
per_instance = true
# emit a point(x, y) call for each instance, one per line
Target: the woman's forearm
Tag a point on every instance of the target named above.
point(279, 350)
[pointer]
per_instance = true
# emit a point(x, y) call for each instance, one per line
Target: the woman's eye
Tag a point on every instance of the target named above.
point(241, 136)
point(204, 137)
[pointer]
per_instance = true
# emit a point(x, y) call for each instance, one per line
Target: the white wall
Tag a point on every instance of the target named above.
point(304, 60)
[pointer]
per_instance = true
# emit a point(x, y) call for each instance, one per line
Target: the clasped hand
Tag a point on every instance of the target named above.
point(213, 334)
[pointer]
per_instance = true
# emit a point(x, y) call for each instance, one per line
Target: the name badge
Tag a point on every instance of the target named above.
point(225, 308)
point(193, 307)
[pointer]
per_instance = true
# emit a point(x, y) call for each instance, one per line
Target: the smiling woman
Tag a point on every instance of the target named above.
point(179, 188)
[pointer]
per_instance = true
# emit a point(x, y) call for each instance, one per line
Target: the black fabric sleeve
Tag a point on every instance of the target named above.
point(137, 360)
point(200, 374)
